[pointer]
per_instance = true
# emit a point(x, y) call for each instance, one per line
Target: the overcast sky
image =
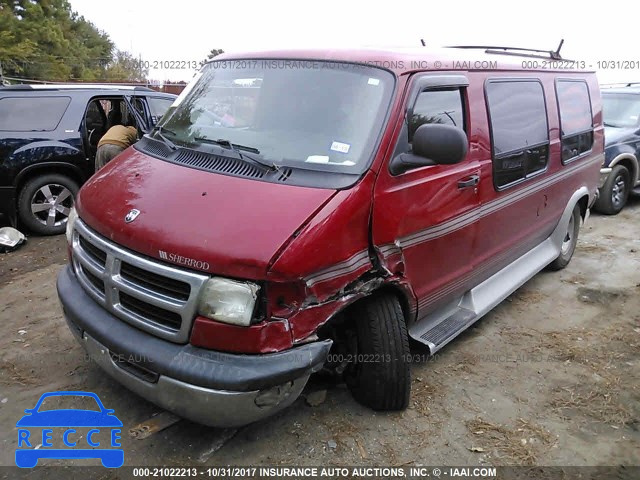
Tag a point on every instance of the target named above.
point(187, 30)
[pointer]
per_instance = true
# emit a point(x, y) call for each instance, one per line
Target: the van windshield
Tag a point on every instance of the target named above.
point(307, 114)
point(621, 110)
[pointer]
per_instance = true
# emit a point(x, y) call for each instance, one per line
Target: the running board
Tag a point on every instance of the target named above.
point(443, 325)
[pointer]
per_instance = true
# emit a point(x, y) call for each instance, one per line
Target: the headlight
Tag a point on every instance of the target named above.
point(228, 301)
point(71, 221)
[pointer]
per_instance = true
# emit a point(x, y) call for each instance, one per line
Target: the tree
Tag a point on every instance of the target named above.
point(125, 68)
point(46, 40)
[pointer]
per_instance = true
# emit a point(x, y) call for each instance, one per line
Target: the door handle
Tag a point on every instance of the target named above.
point(470, 181)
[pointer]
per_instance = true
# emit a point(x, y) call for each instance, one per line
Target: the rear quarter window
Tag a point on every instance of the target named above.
point(32, 114)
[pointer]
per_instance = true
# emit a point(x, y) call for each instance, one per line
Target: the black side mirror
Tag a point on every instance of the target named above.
point(433, 144)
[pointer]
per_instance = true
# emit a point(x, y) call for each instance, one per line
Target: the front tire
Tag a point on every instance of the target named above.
point(615, 191)
point(569, 242)
point(44, 203)
point(379, 376)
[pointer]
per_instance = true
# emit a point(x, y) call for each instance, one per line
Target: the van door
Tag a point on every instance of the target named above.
point(516, 213)
point(423, 220)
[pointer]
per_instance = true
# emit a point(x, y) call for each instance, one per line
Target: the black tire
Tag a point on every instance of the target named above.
point(380, 376)
point(33, 201)
point(614, 192)
point(569, 243)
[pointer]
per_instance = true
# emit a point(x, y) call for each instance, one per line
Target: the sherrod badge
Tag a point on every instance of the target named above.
point(132, 215)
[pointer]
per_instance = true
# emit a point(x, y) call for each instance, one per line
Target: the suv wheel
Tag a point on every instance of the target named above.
point(615, 191)
point(379, 375)
point(44, 203)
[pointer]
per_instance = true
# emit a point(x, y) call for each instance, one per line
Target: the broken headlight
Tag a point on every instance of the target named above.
point(228, 301)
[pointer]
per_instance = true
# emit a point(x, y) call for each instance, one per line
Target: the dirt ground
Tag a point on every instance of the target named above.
point(549, 377)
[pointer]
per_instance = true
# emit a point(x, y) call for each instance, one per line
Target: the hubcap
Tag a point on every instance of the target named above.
point(568, 239)
point(618, 190)
point(51, 204)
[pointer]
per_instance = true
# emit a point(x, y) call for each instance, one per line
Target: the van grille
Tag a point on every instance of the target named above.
point(150, 295)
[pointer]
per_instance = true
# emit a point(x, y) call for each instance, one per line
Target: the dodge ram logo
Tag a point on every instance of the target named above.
point(132, 215)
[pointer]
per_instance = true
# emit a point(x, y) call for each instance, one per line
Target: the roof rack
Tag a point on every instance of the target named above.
point(516, 51)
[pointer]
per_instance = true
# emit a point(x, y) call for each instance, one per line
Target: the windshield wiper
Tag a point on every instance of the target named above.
point(170, 144)
point(221, 142)
point(607, 124)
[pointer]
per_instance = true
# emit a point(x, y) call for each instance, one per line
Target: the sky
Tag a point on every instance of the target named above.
point(187, 30)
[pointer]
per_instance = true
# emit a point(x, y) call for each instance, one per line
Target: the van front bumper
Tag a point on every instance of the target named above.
point(213, 388)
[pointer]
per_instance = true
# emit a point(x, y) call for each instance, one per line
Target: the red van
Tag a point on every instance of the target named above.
point(308, 210)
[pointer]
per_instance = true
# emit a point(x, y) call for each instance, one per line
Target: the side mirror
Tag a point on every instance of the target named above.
point(433, 144)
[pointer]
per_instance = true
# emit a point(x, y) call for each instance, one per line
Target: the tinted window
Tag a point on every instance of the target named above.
point(574, 105)
point(518, 115)
point(437, 106)
point(31, 114)
point(519, 129)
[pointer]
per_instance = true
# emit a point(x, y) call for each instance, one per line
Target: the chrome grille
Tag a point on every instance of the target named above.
point(152, 296)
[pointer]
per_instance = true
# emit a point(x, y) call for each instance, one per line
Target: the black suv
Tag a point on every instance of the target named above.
point(48, 141)
point(620, 172)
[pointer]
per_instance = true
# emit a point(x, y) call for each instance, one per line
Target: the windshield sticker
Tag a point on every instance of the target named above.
point(340, 147)
point(374, 81)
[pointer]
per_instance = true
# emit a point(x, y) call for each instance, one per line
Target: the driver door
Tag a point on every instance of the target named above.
point(423, 219)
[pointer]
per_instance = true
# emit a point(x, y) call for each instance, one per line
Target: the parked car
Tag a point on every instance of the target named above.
point(48, 140)
point(620, 173)
point(350, 201)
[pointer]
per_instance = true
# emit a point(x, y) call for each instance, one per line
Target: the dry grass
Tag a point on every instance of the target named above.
point(609, 356)
point(520, 445)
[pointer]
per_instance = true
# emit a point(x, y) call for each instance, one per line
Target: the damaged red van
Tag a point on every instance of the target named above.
point(299, 211)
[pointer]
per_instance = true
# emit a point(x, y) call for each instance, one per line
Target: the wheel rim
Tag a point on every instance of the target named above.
point(51, 203)
point(568, 239)
point(618, 191)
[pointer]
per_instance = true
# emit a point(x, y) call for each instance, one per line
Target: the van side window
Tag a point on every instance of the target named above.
point(576, 123)
point(519, 129)
point(437, 106)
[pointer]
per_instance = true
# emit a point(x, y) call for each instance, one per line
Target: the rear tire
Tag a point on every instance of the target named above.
point(569, 243)
point(614, 192)
point(380, 377)
point(44, 203)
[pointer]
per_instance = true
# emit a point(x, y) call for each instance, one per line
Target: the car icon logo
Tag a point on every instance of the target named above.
point(69, 433)
point(132, 215)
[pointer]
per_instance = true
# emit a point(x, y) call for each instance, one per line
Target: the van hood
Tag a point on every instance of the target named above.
point(195, 219)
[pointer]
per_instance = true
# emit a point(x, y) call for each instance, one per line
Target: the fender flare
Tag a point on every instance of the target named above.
point(559, 233)
point(634, 162)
